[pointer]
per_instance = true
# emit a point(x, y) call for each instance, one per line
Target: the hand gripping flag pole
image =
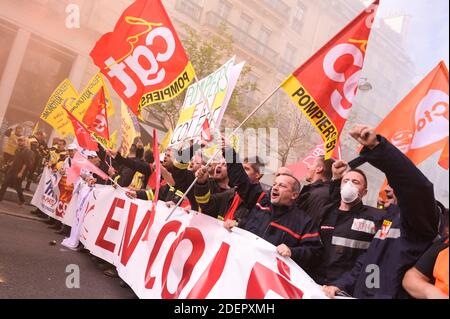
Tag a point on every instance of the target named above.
point(219, 149)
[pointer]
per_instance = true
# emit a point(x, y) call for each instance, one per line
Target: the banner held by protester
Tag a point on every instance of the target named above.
point(220, 264)
point(217, 88)
point(54, 114)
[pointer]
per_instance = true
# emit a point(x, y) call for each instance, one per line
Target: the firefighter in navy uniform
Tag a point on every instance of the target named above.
point(316, 195)
point(405, 234)
point(275, 217)
point(227, 204)
point(347, 226)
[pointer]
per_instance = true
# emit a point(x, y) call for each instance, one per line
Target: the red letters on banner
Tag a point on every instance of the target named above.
point(170, 227)
point(128, 248)
point(262, 279)
point(110, 223)
point(198, 247)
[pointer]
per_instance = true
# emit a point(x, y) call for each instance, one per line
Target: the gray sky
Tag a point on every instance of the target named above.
point(426, 37)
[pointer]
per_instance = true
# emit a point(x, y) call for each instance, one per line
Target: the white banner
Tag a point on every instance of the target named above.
point(55, 199)
point(46, 196)
point(187, 256)
point(217, 88)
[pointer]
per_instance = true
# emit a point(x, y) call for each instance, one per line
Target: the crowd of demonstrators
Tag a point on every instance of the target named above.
point(325, 227)
point(224, 201)
point(397, 250)
point(406, 232)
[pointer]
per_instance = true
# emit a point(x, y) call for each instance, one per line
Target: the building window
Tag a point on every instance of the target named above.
point(191, 8)
point(224, 9)
point(264, 36)
point(246, 22)
point(287, 62)
point(289, 54)
point(299, 14)
point(244, 28)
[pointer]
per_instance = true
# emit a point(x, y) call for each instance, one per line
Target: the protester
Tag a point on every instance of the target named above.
point(225, 204)
point(65, 188)
point(38, 156)
point(428, 279)
point(11, 145)
point(124, 174)
point(406, 232)
point(196, 163)
point(347, 226)
point(58, 152)
point(176, 164)
point(20, 163)
point(316, 195)
point(275, 217)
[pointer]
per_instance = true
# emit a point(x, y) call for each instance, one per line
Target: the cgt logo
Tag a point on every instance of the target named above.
point(141, 60)
point(100, 123)
point(431, 119)
point(342, 97)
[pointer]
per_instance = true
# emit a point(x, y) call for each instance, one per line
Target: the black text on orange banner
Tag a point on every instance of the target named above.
point(314, 113)
point(171, 91)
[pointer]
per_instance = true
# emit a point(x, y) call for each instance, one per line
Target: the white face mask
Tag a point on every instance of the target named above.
point(349, 193)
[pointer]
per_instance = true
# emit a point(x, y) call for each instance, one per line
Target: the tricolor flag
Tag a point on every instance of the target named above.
point(325, 86)
point(143, 57)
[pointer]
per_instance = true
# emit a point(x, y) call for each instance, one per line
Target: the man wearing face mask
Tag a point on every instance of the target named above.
point(347, 226)
point(406, 233)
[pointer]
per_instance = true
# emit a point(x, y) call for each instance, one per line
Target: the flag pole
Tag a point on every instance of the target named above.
point(219, 149)
point(95, 138)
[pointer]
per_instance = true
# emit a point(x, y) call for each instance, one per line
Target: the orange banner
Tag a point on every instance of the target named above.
point(418, 125)
point(143, 57)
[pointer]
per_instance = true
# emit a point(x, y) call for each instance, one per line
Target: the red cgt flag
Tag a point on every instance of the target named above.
point(82, 134)
point(143, 57)
point(418, 125)
point(96, 117)
point(325, 86)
